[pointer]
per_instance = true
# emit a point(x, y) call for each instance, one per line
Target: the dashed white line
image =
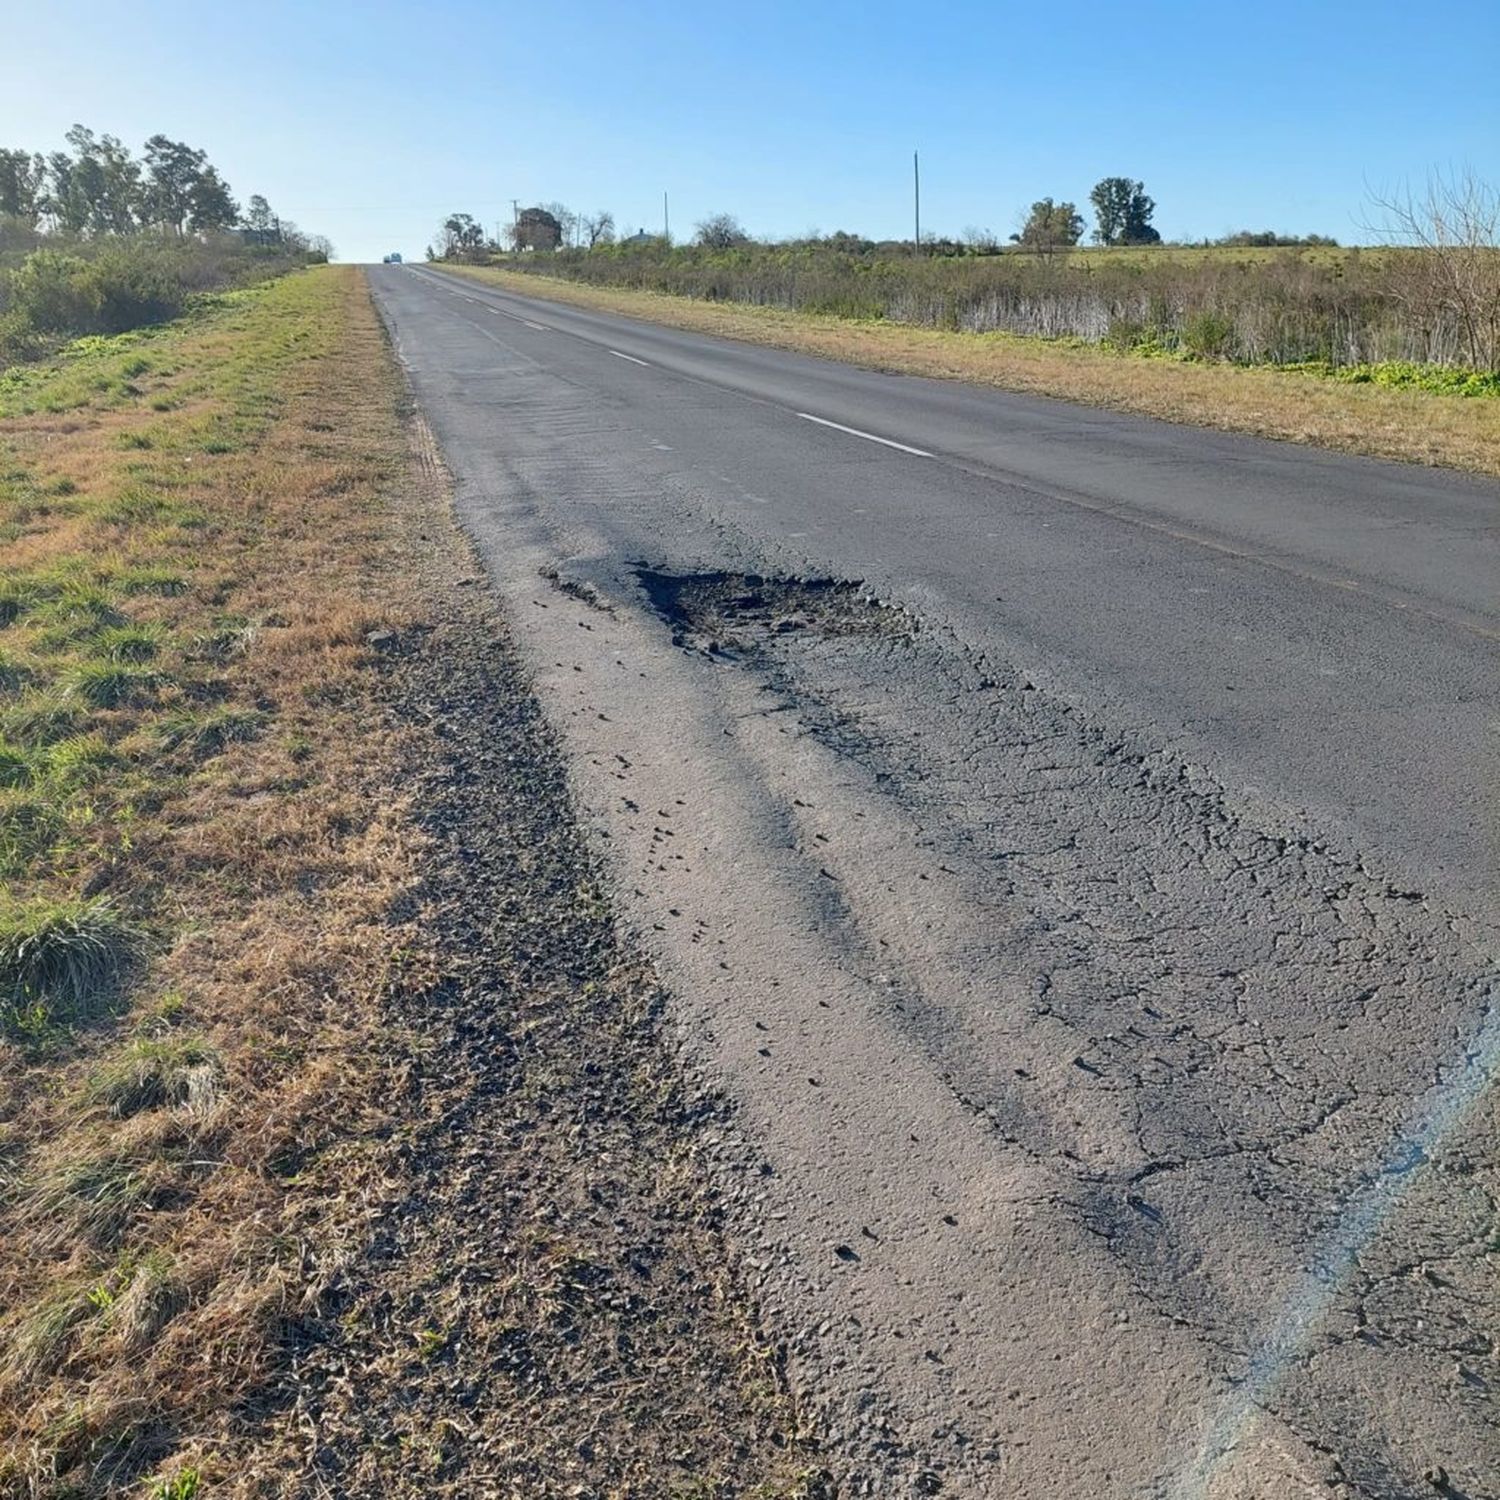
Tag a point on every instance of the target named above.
point(540, 327)
point(633, 360)
point(869, 437)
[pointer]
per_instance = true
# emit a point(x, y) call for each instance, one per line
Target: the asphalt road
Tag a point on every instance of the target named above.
point(1092, 915)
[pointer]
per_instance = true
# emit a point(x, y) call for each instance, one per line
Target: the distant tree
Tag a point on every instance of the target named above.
point(210, 205)
point(981, 241)
point(1050, 226)
point(721, 232)
point(258, 215)
point(536, 229)
point(1122, 213)
point(460, 238)
point(1263, 238)
point(109, 178)
point(173, 170)
point(23, 186)
point(849, 244)
point(567, 222)
point(598, 229)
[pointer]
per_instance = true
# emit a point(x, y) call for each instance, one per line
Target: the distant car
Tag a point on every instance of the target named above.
point(394, 258)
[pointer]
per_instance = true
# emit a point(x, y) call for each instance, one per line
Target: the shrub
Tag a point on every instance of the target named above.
point(49, 293)
point(1208, 335)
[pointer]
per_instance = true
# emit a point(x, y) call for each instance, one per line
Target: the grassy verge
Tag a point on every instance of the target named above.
point(282, 1203)
point(1411, 425)
point(200, 860)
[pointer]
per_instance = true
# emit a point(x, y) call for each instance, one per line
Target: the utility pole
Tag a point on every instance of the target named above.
point(916, 194)
point(666, 222)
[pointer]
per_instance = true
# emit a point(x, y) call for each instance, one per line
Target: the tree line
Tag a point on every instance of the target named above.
point(98, 187)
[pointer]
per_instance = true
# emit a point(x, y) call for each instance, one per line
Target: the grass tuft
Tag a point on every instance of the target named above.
point(41, 1341)
point(13, 676)
point(171, 1072)
point(16, 766)
point(209, 731)
point(77, 760)
point(108, 684)
point(166, 583)
point(66, 954)
point(38, 718)
point(128, 643)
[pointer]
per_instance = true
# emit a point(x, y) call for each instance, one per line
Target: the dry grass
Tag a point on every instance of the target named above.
point(1411, 426)
point(203, 849)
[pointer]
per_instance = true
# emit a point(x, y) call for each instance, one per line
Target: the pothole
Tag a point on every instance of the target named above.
point(721, 613)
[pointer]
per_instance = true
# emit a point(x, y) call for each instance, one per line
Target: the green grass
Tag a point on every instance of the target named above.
point(207, 731)
point(67, 956)
point(40, 718)
point(183, 1485)
point(112, 684)
point(129, 643)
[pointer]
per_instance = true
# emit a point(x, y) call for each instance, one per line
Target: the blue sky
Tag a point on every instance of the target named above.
point(369, 122)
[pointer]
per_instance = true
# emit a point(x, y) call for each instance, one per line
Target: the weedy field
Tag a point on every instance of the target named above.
point(234, 1054)
point(1404, 412)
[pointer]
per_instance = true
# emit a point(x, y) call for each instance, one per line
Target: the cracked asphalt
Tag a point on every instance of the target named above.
point(1070, 849)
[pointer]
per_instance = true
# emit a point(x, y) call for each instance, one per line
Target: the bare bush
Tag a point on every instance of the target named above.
point(1444, 267)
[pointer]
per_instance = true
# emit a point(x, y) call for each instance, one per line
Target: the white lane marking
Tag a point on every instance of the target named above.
point(869, 437)
point(540, 327)
point(633, 360)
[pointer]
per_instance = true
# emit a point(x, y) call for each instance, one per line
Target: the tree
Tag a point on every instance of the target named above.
point(1050, 226)
point(258, 216)
point(23, 182)
point(536, 229)
point(461, 238)
point(210, 205)
point(106, 181)
point(598, 229)
point(64, 204)
point(721, 232)
point(567, 222)
point(173, 170)
point(1122, 213)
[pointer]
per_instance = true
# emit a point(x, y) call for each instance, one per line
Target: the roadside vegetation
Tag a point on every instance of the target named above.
point(255, 1026)
point(197, 878)
point(96, 241)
